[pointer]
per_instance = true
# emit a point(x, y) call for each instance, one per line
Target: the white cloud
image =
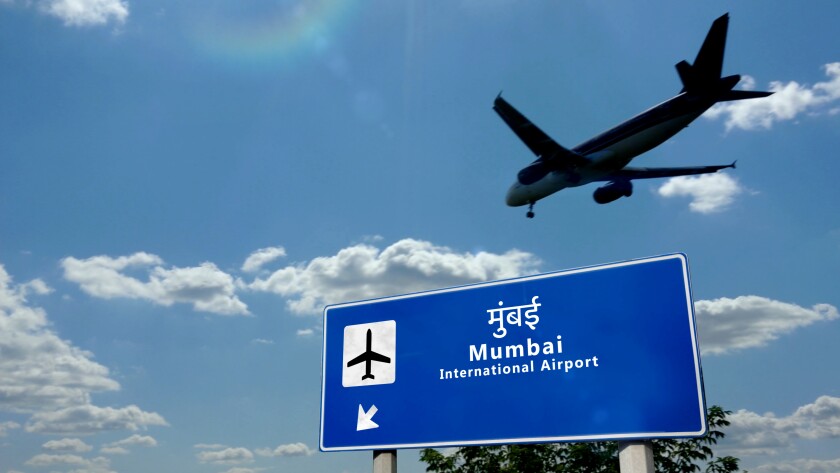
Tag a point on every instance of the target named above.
point(726, 324)
point(262, 341)
point(67, 445)
point(226, 456)
point(305, 332)
point(90, 419)
point(239, 469)
point(206, 287)
point(788, 102)
point(767, 434)
point(261, 257)
point(289, 450)
point(52, 379)
point(710, 193)
point(209, 446)
point(95, 465)
point(7, 426)
point(38, 370)
point(105, 450)
point(357, 272)
point(140, 440)
point(800, 466)
point(101, 276)
point(119, 447)
point(35, 286)
point(45, 459)
point(86, 12)
point(363, 271)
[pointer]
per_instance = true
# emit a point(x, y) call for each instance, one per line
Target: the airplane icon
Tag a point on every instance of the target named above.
point(605, 157)
point(368, 356)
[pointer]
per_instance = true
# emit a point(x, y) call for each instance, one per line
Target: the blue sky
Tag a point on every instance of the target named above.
point(185, 185)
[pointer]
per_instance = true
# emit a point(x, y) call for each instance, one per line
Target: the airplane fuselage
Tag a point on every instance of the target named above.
point(610, 151)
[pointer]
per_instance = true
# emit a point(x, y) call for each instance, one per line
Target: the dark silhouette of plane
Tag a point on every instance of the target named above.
point(368, 356)
point(605, 158)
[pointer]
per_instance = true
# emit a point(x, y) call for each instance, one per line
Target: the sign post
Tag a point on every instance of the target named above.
point(599, 353)
point(384, 461)
point(635, 457)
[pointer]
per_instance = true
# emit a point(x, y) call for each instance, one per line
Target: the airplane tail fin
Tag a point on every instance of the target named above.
point(704, 76)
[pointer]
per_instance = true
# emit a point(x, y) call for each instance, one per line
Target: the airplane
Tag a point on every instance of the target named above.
point(368, 356)
point(605, 157)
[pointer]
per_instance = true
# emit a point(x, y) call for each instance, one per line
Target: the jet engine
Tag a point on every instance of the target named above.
point(613, 191)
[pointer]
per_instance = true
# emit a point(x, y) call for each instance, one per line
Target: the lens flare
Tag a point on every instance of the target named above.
point(259, 36)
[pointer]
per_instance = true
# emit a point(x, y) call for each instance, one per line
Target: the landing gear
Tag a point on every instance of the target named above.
point(530, 213)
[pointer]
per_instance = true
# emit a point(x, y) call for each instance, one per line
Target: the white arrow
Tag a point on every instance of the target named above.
point(364, 421)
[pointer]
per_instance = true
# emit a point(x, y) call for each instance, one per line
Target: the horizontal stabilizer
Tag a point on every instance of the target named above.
point(742, 95)
point(686, 76)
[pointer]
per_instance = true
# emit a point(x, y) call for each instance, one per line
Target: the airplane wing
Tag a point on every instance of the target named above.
point(535, 139)
point(651, 173)
point(357, 360)
point(380, 358)
point(368, 355)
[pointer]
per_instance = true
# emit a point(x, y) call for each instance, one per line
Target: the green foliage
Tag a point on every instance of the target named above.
point(669, 455)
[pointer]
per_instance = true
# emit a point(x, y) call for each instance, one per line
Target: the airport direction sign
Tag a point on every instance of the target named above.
point(598, 353)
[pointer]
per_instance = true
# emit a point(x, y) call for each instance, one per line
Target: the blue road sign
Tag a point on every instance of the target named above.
point(596, 353)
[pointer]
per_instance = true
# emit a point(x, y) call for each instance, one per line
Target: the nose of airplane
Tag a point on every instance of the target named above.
point(515, 197)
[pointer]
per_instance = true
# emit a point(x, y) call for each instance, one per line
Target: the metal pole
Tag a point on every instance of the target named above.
point(635, 456)
point(384, 461)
